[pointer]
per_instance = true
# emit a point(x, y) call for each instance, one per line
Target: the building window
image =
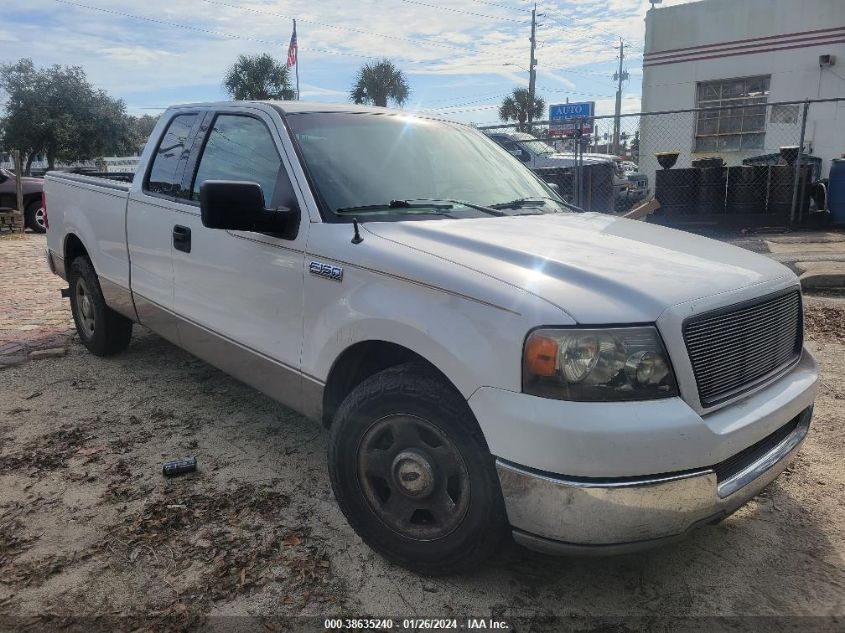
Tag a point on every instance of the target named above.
point(787, 114)
point(739, 123)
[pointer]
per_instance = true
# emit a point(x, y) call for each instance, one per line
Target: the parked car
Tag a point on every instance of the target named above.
point(632, 185)
point(487, 358)
point(33, 212)
point(538, 155)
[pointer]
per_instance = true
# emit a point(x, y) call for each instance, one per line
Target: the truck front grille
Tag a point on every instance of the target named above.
point(734, 348)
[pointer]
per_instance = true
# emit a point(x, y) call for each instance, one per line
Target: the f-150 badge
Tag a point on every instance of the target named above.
point(335, 273)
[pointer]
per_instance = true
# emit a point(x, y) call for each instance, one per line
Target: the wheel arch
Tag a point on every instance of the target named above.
point(73, 248)
point(361, 360)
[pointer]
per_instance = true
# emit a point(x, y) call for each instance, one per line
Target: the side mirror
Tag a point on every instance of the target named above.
point(239, 206)
point(554, 187)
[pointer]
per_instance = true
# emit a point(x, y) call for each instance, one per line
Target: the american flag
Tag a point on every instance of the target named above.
point(292, 48)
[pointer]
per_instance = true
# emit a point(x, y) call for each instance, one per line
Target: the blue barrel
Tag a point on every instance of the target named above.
point(836, 191)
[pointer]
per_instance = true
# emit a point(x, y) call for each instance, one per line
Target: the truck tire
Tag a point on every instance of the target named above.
point(34, 217)
point(102, 330)
point(412, 473)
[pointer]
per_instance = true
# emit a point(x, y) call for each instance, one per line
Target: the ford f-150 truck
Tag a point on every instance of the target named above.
point(488, 359)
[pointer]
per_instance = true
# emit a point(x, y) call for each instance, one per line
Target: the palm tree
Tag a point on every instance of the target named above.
point(515, 107)
point(378, 82)
point(258, 77)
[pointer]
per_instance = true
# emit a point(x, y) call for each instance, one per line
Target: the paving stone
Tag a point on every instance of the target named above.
point(34, 315)
point(55, 352)
point(8, 360)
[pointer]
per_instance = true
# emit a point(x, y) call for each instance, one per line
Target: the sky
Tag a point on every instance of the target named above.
point(461, 57)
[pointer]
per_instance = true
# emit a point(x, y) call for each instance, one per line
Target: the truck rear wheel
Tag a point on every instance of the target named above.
point(102, 330)
point(413, 475)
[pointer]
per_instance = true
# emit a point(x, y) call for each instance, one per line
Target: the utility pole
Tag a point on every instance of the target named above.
point(619, 76)
point(532, 63)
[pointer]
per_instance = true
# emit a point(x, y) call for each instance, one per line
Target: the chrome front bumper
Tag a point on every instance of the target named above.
point(557, 514)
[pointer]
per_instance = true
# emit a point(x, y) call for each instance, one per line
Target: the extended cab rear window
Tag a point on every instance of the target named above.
point(170, 157)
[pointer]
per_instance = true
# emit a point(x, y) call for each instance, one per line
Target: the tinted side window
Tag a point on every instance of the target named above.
point(239, 148)
point(164, 174)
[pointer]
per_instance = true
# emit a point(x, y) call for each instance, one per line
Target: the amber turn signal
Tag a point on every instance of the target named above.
point(540, 356)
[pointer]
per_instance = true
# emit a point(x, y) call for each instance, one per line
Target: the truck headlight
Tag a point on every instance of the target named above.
point(607, 364)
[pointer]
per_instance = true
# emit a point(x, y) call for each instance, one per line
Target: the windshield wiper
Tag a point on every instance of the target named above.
point(397, 204)
point(417, 203)
point(519, 203)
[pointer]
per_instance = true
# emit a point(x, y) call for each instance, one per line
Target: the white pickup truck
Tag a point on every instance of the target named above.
point(487, 359)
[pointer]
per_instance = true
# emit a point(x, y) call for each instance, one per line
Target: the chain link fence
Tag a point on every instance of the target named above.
point(737, 165)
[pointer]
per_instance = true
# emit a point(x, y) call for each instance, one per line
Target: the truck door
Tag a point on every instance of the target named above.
point(156, 200)
point(239, 293)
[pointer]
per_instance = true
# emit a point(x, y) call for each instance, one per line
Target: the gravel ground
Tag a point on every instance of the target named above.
point(90, 529)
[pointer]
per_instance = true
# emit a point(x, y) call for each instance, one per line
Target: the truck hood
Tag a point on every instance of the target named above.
point(567, 160)
point(597, 268)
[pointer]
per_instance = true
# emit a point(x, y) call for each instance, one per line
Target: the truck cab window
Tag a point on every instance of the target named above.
point(164, 174)
point(239, 148)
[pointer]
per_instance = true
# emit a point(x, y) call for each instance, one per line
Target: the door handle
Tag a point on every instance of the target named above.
point(182, 238)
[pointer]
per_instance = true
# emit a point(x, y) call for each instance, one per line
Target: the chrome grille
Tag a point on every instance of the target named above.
point(734, 348)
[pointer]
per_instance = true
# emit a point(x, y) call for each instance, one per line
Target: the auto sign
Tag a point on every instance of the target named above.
point(564, 117)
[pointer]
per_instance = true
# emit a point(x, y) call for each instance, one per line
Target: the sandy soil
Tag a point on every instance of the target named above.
point(90, 528)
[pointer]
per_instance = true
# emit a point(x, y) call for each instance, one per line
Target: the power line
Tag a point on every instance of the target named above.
point(428, 42)
point(224, 34)
point(589, 25)
point(453, 10)
point(458, 105)
point(503, 6)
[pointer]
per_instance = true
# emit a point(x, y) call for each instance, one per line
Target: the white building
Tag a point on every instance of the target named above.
point(723, 53)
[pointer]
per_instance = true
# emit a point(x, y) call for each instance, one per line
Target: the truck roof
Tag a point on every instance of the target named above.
point(297, 107)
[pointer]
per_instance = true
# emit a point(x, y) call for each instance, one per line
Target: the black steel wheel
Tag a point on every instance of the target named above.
point(412, 473)
point(413, 477)
point(102, 330)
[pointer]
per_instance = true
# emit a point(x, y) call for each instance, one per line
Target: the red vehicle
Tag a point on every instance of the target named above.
point(33, 212)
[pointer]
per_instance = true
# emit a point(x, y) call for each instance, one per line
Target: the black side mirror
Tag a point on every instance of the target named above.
point(239, 206)
point(524, 156)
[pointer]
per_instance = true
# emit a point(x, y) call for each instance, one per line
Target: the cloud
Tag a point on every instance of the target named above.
point(178, 51)
point(135, 54)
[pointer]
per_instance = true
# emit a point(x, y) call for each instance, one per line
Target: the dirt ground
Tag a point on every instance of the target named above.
point(89, 528)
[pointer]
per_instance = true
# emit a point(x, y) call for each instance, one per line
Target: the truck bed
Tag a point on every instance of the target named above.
point(92, 208)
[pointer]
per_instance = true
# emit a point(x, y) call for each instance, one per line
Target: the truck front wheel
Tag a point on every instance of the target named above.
point(34, 217)
point(102, 330)
point(412, 472)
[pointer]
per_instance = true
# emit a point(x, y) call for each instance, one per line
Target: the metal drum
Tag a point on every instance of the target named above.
point(836, 191)
point(746, 191)
point(677, 191)
point(781, 180)
point(711, 190)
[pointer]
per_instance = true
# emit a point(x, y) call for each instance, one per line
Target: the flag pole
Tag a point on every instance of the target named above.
point(297, 61)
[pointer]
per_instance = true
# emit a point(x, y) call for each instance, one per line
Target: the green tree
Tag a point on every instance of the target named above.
point(19, 127)
point(140, 129)
point(379, 82)
point(56, 111)
point(258, 77)
point(515, 107)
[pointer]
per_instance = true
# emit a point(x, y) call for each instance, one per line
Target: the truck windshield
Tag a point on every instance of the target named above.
point(537, 147)
point(366, 164)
